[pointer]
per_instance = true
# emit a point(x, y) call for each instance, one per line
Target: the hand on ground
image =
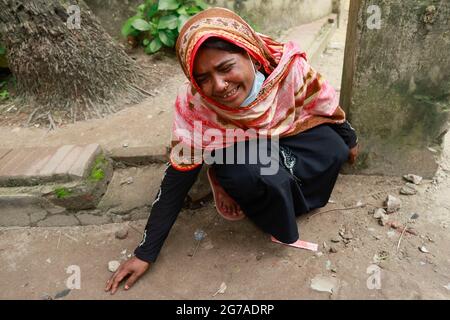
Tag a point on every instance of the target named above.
point(133, 267)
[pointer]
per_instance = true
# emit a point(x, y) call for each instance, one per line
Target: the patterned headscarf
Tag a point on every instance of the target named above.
point(294, 97)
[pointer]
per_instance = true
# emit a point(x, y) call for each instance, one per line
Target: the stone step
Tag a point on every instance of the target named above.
point(32, 166)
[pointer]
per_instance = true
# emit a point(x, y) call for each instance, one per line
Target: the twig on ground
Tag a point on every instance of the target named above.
point(143, 91)
point(59, 239)
point(32, 115)
point(401, 236)
point(52, 123)
point(337, 209)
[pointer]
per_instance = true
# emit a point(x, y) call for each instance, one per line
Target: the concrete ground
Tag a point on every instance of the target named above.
point(37, 263)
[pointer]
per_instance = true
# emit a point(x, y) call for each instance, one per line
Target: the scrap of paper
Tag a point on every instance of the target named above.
point(299, 244)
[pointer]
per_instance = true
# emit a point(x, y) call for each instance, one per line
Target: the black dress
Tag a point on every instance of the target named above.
point(308, 167)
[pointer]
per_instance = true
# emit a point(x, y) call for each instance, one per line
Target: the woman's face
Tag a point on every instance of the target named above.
point(224, 76)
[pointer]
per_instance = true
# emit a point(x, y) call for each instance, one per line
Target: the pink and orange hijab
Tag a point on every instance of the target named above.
point(294, 97)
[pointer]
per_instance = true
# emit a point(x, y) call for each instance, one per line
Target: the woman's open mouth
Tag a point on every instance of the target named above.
point(230, 95)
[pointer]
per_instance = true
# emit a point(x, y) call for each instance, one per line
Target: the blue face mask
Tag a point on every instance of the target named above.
point(257, 85)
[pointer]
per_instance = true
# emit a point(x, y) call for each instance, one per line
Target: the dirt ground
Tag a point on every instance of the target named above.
point(34, 261)
point(156, 68)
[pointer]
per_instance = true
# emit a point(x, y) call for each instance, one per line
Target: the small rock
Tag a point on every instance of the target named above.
point(335, 240)
point(378, 213)
point(125, 145)
point(319, 254)
point(393, 204)
point(413, 178)
point(46, 297)
point(447, 286)
point(334, 270)
point(325, 246)
point(113, 265)
point(422, 263)
point(432, 150)
point(48, 260)
point(396, 225)
point(62, 294)
point(333, 250)
point(414, 216)
point(408, 191)
point(121, 234)
point(384, 220)
point(328, 264)
point(128, 180)
point(423, 249)
point(259, 256)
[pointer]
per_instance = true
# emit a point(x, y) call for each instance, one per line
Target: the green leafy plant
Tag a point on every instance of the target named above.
point(157, 23)
point(62, 192)
point(97, 171)
point(4, 93)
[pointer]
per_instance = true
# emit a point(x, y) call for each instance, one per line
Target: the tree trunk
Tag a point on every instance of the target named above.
point(71, 73)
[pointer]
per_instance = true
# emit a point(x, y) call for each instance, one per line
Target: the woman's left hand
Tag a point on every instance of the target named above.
point(353, 154)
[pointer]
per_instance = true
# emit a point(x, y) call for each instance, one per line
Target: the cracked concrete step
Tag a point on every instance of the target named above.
point(138, 156)
point(136, 187)
point(32, 166)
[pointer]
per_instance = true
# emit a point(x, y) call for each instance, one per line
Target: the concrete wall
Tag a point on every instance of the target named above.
point(396, 84)
point(272, 16)
point(267, 16)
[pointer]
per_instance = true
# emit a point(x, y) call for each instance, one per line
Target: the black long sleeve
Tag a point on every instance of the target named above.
point(347, 133)
point(165, 209)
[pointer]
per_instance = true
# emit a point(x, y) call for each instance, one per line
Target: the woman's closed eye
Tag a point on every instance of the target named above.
point(201, 80)
point(226, 68)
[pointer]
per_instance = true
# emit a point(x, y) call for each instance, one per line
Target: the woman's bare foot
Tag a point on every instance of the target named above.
point(226, 204)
